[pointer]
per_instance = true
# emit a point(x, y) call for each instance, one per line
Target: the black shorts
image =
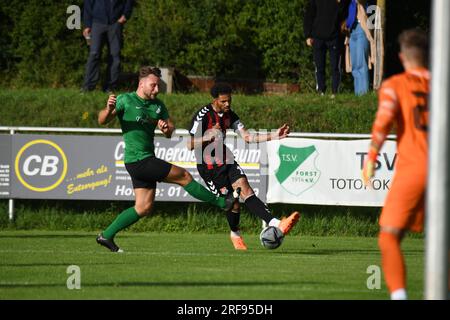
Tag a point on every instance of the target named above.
point(146, 172)
point(221, 178)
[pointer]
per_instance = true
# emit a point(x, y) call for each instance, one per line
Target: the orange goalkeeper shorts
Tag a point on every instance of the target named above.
point(404, 207)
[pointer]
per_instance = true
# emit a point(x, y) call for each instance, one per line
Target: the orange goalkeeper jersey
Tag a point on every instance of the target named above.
point(403, 100)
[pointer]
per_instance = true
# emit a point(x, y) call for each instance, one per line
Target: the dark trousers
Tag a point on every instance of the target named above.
point(112, 35)
point(320, 48)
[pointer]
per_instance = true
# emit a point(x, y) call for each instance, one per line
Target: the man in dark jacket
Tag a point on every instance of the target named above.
point(322, 31)
point(104, 20)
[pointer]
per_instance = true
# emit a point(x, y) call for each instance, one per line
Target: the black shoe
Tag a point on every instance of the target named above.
point(231, 198)
point(108, 243)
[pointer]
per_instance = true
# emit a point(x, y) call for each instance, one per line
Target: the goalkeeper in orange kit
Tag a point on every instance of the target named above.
point(403, 100)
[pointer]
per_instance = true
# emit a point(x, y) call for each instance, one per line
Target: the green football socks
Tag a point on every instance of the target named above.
point(130, 216)
point(123, 220)
point(198, 191)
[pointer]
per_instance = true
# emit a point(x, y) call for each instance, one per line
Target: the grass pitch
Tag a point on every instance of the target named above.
point(175, 266)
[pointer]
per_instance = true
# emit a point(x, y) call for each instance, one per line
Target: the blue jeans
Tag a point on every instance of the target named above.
point(359, 53)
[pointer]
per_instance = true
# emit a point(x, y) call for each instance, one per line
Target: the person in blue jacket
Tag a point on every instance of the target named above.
point(104, 21)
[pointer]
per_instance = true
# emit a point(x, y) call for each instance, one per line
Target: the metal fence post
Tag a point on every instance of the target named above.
point(11, 201)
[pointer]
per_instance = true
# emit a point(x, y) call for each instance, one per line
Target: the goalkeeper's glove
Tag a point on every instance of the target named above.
point(369, 166)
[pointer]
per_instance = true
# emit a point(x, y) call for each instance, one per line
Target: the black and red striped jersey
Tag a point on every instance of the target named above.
point(205, 119)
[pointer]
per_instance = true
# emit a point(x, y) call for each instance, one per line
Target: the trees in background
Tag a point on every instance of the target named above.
point(234, 38)
point(246, 39)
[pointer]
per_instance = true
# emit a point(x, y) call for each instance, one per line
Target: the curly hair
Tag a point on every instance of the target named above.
point(220, 88)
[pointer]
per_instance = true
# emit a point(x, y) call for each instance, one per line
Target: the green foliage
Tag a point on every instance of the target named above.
point(279, 33)
point(204, 37)
point(240, 39)
point(219, 38)
point(42, 51)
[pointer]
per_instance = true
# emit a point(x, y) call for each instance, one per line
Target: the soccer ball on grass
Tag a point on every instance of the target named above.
point(271, 237)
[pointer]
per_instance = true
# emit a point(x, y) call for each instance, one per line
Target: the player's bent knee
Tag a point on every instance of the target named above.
point(387, 239)
point(185, 178)
point(144, 209)
point(246, 192)
point(179, 176)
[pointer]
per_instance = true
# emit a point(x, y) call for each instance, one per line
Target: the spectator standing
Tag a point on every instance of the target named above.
point(104, 21)
point(321, 27)
point(359, 40)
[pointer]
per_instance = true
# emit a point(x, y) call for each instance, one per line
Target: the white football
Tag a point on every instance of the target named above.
point(271, 237)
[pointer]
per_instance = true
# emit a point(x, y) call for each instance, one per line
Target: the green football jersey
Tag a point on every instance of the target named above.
point(138, 120)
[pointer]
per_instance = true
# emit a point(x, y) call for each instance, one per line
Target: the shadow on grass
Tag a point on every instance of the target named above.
point(54, 236)
point(63, 264)
point(327, 251)
point(167, 284)
point(333, 251)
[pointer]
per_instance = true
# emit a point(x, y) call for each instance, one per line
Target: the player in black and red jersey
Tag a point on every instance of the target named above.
point(216, 164)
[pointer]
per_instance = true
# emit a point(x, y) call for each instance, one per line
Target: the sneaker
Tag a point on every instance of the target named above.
point(238, 243)
point(286, 224)
point(108, 243)
point(231, 198)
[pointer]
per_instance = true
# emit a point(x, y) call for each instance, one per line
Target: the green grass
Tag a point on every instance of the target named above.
point(33, 265)
point(184, 217)
point(304, 112)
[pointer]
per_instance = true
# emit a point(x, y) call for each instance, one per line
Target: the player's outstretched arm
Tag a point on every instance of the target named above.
point(384, 120)
point(251, 137)
point(282, 132)
point(109, 112)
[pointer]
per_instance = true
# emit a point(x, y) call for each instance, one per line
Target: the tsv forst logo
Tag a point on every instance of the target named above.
point(297, 171)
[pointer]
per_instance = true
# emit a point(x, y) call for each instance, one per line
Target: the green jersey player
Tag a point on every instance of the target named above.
point(140, 113)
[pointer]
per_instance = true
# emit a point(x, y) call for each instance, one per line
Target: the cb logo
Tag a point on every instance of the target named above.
point(40, 165)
